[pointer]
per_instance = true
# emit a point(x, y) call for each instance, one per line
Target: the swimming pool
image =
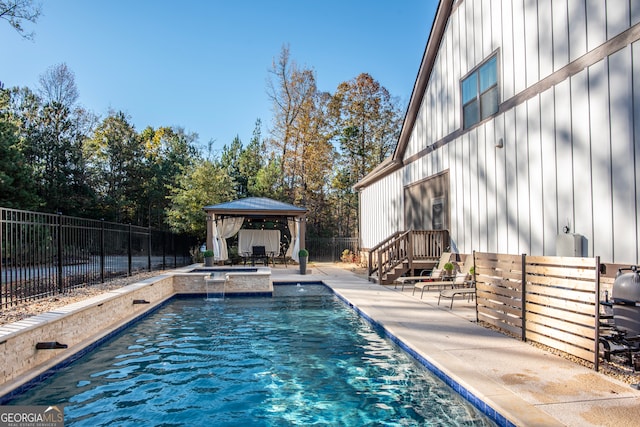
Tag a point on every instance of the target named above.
point(299, 358)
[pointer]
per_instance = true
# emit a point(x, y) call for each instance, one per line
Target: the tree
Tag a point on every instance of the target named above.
point(167, 152)
point(199, 185)
point(367, 124)
point(289, 89)
point(267, 180)
point(114, 157)
point(229, 161)
point(58, 85)
point(16, 183)
point(51, 137)
point(251, 160)
point(315, 161)
point(301, 139)
point(16, 12)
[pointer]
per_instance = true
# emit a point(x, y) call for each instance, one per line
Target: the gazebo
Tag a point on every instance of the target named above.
point(225, 220)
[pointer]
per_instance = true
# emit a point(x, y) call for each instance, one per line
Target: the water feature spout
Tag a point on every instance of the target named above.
point(50, 345)
point(215, 279)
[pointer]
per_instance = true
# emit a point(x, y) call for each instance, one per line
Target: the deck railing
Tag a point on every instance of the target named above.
point(401, 249)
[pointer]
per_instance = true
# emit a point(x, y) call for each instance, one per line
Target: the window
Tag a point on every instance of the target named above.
point(480, 93)
point(437, 213)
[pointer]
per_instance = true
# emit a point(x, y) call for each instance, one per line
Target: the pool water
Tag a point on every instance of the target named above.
point(300, 358)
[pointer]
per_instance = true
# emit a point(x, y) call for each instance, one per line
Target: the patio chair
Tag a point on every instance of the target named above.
point(468, 291)
point(468, 288)
point(460, 280)
point(281, 256)
point(445, 257)
point(259, 253)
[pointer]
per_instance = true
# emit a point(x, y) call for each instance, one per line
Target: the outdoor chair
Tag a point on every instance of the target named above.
point(259, 253)
point(445, 257)
point(460, 280)
point(468, 291)
point(282, 256)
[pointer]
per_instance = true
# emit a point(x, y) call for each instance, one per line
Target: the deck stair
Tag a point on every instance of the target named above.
point(406, 252)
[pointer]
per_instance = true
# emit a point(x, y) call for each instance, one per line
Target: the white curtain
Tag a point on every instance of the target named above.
point(215, 245)
point(224, 229)
point(294, 246)
point(270, 239)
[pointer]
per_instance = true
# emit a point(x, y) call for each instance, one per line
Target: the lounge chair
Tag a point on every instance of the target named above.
point(445, 257)
point(460, 280)
point(468, 288)
point(469, 292)
point(435, 274)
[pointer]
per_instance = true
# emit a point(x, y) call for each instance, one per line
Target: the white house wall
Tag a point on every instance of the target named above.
point(569, 155)
point(381, 210)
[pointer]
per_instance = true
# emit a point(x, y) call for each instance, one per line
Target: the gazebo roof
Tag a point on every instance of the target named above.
point(251, 206)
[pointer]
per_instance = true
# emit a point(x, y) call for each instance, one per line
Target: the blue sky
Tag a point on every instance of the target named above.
point(203, 65)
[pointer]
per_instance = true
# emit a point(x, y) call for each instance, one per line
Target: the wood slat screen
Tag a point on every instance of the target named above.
point(561, 304)
point(499, 291)
point(560, 294)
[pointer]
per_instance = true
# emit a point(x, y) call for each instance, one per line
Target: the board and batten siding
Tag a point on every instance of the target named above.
point(381, 210)
point(571, 147)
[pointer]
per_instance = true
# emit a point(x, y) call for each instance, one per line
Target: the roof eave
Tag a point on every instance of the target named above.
point(248, 212)
point(424, 73)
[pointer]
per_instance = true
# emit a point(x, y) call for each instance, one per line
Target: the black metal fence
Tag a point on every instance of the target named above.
point(44, 254)
point(330, 249)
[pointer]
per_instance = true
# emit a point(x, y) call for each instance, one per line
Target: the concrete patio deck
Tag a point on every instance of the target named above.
point(527, 385)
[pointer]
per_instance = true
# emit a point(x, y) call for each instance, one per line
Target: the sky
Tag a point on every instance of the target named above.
point(203, 65)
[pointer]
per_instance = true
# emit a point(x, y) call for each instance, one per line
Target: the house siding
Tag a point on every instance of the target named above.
point(382, 210)
point(569, 156)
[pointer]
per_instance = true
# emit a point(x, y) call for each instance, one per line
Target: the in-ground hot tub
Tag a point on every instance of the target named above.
point(226, 281)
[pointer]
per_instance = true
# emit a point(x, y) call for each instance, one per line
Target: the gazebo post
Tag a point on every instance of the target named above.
point(303, 231)
point(210, 224)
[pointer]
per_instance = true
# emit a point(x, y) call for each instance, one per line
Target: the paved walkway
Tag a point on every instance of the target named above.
point(527, 385)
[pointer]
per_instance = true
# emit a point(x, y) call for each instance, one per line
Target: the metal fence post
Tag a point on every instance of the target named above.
point(129, 254)
point(2, 257)
point(59, 278)
point(149, 248)
point(596, 360)
point(102, 251)
point(173, 249)
point(164, 250)
point(524, 297)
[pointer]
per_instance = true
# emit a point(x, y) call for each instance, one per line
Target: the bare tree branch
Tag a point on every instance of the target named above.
point(17, 12)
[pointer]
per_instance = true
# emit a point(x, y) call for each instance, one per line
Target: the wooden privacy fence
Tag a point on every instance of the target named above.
point(553, 301)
